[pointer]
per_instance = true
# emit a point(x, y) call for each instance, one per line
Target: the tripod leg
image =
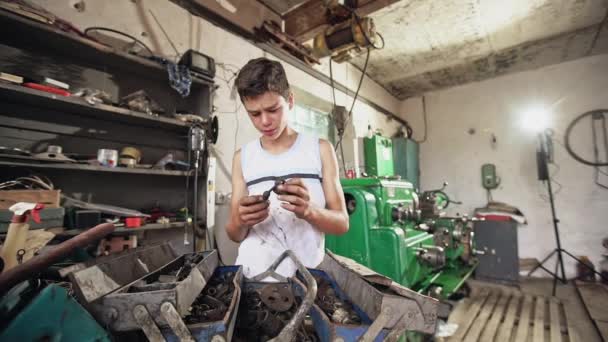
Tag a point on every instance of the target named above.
point(584, 264)
point(540, 264)
point(561, 264)
point(555, 276)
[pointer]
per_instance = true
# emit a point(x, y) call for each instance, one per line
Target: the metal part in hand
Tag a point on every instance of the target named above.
point(266, 193)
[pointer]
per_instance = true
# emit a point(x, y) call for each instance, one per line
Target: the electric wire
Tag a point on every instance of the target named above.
point(340, 130)
point(350, 112)
point(424, 116)
point(99, 28)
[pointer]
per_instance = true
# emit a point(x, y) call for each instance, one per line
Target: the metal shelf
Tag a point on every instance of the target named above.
point(17, 94)
point(39, 35)
point(151, 226)
point(123, 230)
point(79, 167)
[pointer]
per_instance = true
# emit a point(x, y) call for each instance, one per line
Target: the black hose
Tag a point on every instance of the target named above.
point(577, 157)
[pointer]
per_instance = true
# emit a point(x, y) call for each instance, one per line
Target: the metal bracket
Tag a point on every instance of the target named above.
point(376, 327)
point(170, 314)
point(145, 321)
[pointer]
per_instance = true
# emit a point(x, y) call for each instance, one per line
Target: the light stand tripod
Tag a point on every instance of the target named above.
point(543, 155)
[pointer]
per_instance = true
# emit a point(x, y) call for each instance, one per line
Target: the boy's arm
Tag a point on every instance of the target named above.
point(245, 211)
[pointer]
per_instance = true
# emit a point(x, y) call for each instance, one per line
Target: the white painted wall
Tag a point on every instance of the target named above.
point(190, 32)
point(495, 106)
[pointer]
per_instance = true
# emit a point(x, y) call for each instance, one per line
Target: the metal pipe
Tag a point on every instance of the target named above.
point(39, 263)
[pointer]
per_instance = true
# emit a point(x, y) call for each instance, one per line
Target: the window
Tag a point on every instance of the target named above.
point(308, 120)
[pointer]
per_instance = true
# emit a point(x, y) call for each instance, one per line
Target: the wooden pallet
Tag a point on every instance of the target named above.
point(595, 298)
point(510, 316)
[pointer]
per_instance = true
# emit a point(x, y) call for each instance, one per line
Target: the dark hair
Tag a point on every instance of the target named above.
point(261, 75)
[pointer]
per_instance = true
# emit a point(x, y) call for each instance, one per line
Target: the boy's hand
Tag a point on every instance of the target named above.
point(253, 210)
point(296, 197)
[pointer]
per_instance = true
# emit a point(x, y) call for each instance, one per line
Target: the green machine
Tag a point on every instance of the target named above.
point(406, 159)
point(402, 235)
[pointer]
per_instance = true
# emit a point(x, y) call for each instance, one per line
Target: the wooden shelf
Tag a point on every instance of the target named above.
point(18, 94)
point(80, 167)
point(47, 37)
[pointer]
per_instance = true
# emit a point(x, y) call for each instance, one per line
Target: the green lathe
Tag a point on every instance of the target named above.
point(402, 235)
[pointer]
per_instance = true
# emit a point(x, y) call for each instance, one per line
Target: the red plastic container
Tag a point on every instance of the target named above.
point(133, 222)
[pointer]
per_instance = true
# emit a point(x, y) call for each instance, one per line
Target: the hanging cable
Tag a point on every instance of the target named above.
point(350, 112)
point(425, 120)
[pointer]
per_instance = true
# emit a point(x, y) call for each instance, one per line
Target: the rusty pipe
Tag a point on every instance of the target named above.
point(39, 263)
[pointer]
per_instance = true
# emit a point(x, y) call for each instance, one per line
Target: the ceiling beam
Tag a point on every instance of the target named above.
point(309, 19)
point(249, 14)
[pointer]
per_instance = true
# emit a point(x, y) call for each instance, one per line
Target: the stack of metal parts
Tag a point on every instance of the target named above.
point(212, 304)
point(339, 310)
point(266, 309)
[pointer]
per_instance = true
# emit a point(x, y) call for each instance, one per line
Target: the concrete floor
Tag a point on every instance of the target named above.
point(576, 313)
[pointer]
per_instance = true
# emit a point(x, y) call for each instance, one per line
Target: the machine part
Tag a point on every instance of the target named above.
point(378, 156)
point(213, 129)
point(406, 157)
point(271, 31)
point(127, 162)
point(214, 301)
point(107, 157)
point(267, 193)
point(132, 153)
point(433, 256)
point(339, 310)
point(340, 115)
point(197, 142)
point(442, 237)
point(20, 254)
point(277, 297)
point(489, 179)
point(29, 313)
point(140, 101)
point(9, 278)
point(210, 218)
point(54, 153)
point(341, 40)
point(351, 203)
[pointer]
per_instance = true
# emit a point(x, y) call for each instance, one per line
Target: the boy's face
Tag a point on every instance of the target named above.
point(268, 112)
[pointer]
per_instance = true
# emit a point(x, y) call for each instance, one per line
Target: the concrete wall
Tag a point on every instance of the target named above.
point(496, 107)
point(189, 32)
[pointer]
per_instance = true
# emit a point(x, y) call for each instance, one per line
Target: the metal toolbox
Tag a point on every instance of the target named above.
point(214, 330)
point(391, 308)
point(157, 296)
point(348, 328)
point(95, 279)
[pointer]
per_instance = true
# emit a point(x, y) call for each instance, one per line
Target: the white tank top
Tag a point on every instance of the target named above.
point(282, 230)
